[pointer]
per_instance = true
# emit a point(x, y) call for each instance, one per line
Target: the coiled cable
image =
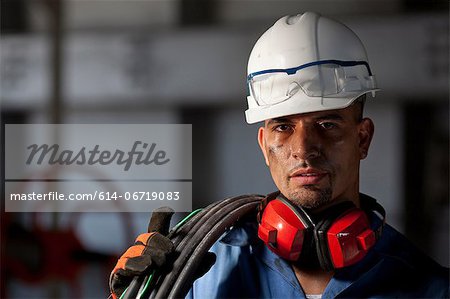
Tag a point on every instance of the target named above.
point(192, 239)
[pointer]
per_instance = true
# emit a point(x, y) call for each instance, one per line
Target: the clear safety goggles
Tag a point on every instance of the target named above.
point(325, 78)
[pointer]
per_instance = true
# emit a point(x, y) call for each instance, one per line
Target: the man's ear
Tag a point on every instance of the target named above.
point(262, 144)
point(366, 131)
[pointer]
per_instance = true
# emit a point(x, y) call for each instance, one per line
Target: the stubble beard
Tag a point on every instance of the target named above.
point(310, 197)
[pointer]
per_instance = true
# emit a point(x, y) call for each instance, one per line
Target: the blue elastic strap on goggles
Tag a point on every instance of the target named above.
point(293, 70)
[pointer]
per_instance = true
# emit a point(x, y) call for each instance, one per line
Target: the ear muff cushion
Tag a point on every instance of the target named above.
point(263, 204)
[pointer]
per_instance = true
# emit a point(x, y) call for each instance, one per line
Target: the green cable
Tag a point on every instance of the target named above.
point(186, 219)
point(146, 285)
point(123, 294)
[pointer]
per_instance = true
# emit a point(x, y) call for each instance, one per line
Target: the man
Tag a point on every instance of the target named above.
point(308, 77)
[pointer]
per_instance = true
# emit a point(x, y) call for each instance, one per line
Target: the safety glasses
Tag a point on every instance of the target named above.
point(325, 78)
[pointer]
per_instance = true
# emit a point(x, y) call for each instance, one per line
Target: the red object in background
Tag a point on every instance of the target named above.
point(59, 254)
point(39, 256)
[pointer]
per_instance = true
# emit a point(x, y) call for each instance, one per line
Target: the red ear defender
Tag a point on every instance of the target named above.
point(349, 238)
point(344, 241)
point(341, 235)
point(283, 229)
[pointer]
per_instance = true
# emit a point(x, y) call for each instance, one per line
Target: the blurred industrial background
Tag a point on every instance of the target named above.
point(184, 61)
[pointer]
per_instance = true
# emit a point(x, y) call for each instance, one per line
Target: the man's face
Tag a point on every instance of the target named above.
point(314, 157)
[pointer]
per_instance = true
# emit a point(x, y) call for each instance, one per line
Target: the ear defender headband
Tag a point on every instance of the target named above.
point(340, 236)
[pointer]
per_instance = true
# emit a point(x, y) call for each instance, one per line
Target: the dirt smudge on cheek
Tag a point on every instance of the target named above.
point(277, 152)
point(275, 149)
point(279, 156)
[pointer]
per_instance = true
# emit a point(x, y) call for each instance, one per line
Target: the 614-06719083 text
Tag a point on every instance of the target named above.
point(141, 195)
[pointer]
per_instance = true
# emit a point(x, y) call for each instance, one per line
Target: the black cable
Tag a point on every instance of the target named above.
point(206, 212)
point(186, 278)
point(212, 222)
point(134, 287)
point(177, 236)
point(183, 240)
point(191, 241)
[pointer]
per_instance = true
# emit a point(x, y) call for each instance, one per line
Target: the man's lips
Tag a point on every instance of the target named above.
point(307, 176)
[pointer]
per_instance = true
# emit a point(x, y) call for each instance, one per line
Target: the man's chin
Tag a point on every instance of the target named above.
point(310, 197)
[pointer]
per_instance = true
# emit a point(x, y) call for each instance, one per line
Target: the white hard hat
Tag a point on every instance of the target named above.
point(306, 63)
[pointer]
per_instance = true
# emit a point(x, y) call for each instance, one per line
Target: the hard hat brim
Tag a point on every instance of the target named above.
point(300, 103)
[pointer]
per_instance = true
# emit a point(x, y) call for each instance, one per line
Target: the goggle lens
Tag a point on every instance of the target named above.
point(321, 80)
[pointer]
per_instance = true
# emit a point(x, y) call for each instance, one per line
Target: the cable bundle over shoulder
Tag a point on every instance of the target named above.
point(192, 237)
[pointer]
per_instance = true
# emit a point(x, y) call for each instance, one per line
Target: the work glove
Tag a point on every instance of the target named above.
point(150, 251)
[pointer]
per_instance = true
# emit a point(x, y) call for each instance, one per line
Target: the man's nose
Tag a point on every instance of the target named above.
point(305, 144)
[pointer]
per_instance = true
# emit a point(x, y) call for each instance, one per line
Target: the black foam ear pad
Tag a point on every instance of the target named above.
point(299, 211)
point(264, 203)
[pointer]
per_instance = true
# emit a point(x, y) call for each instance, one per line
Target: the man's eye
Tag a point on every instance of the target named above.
point(328, 125)
point(282, 128)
